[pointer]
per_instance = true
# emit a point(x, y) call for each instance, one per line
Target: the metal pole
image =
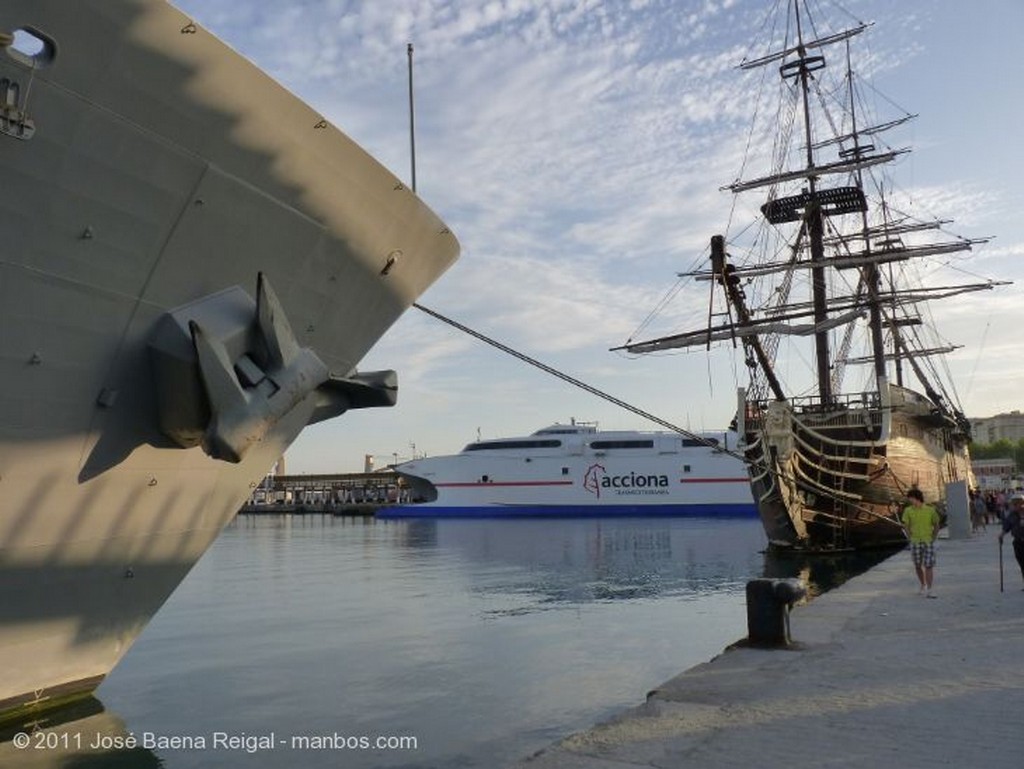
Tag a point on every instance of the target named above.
point(412, 122)
point(1000, 564)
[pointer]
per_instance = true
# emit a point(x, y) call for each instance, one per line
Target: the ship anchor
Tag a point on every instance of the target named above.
point(228, 370)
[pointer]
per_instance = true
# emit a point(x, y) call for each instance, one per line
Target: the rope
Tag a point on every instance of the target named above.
point(578, 383)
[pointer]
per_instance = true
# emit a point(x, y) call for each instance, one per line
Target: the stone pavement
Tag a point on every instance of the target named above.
point(879, 677)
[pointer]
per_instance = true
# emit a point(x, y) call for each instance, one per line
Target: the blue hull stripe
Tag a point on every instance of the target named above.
point(568, 511)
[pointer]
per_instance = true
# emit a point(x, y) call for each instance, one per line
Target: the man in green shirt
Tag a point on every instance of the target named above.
point(921, 522)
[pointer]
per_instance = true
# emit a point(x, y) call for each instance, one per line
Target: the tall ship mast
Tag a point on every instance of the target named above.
point(829, 275)
point(193, 264)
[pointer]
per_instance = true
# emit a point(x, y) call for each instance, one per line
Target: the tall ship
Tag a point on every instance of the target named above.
point(577, 469)
point(193, 263)
point(825, 294)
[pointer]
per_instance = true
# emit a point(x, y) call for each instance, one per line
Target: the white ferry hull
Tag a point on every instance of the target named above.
point(148, 169)
point(578, 480)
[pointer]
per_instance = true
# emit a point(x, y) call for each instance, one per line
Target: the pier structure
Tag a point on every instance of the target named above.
point(876, 676)
point(338, 493)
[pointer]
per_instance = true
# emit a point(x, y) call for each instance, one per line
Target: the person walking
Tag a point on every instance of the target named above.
point(979, 512)
point(1013, 523)
point(921, 522)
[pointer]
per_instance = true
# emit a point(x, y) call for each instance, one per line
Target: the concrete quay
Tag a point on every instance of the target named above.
point(878, 676)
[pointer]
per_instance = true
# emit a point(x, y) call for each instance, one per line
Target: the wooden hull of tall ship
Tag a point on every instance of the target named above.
point(835, 479)
point(151, 179)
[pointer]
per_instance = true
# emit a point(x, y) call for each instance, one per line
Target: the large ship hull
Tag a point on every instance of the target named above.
point(834, 479)
point(150, 173)
point(591, 474)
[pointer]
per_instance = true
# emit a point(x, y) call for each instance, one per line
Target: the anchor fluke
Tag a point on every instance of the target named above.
point(229, 369)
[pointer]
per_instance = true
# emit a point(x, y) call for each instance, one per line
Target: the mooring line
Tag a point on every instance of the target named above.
point(579, 383)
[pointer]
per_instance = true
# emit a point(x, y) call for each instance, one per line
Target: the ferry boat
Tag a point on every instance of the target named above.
point(836, 272)
point(193, 263)
point(577, 469)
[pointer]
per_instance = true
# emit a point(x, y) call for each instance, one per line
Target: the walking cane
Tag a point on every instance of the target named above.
point(1000, 564)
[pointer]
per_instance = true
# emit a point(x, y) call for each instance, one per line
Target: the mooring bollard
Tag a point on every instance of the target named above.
point(768, 605)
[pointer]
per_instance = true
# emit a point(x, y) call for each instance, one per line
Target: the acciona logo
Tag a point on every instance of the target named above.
point(597, 480)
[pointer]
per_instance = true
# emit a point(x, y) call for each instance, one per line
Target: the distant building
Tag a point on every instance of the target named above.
point(1009, 427)
point(995, 473)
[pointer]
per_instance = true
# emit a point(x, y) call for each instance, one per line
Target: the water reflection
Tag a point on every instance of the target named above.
point(80, 736)
point(571, 561)
point(822, 573)
point(486, 639)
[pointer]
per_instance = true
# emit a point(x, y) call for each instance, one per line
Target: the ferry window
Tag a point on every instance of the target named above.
point(496, 445)
point(597, 445)
point(565, 471)
point(686, 468)
point(485, 479)
point(695, 442)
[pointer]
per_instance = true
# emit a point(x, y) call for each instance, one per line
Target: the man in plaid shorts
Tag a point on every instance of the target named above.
point(921, 522)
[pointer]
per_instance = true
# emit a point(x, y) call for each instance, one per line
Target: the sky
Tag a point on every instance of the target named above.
point(577, 149)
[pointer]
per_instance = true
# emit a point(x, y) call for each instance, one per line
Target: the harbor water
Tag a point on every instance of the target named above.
point(322, 641)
